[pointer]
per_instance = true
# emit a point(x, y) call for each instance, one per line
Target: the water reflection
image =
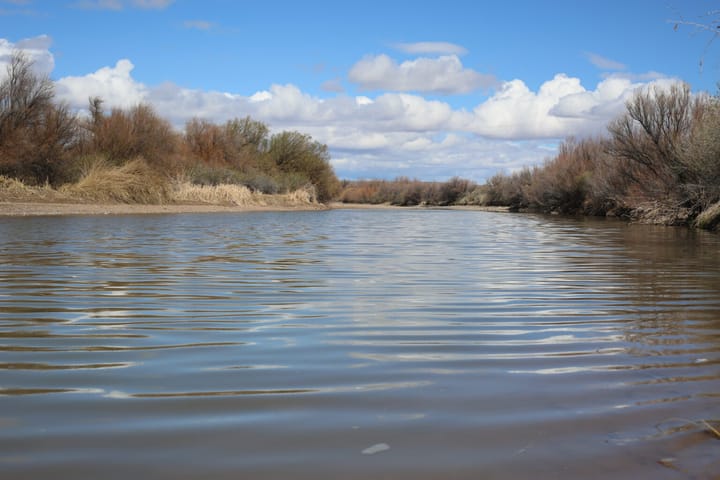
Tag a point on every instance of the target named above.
point(283, 345)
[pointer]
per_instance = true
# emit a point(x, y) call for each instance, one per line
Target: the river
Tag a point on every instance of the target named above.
point(399, 344)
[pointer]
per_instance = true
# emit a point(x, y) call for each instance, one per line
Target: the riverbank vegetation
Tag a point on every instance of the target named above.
point(133, 155)
point(659, 162)
point(405, 192)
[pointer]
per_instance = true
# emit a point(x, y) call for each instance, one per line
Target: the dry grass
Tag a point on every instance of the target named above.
point(237, 195)
point(12, 190)
point(137, 183)
point(710, 218)
point(686, 424)
point(301, 196)
point(186, 192)
point(133, 182)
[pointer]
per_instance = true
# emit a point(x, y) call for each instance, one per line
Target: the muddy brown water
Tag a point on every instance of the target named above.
point(357, 344)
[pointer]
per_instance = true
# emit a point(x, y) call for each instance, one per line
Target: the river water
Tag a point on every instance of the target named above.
point(418, 344)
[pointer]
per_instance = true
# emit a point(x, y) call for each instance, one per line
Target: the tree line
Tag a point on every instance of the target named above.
point(42, 141)
point(659, 160)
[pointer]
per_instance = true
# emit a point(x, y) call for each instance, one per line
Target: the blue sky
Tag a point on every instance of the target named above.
point(423, 89)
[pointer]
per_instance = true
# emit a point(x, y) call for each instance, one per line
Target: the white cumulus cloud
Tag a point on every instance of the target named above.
point(443, 75)
point(114, 85)
point(37, 49)
point(561, 107)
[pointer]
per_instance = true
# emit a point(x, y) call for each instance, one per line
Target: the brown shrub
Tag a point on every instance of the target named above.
point(404, 191)
point(35, 132)
point(239, 144)
point(578, 180)
point(508, 190)
point(124, 135)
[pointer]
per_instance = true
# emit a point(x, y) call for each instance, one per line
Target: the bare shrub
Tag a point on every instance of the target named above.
point(24, 96)
point(360, 191)
point(205, 141)
point(650, 137)
point(670, 145)
point(701, 155)
point(404, 191)
point(127, 134)
point(450, 192)
point(239, 143)
point(576, 180)
point(35, 132)
point(508, 190)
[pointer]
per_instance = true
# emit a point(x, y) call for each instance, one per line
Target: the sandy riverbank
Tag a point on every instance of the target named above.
point(21, 209)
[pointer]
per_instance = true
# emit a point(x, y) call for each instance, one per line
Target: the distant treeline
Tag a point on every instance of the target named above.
point(404, 191)
point(43, 142)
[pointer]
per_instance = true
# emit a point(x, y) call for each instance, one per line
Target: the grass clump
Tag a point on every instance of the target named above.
point(132, 182)
point(14, 190)
point(223, 194)
point(238, 195)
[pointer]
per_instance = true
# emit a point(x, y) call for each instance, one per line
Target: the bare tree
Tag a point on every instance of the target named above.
point(24, 96)
point(35, 132)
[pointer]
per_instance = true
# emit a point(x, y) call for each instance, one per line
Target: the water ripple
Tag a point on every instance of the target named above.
point(271, 344)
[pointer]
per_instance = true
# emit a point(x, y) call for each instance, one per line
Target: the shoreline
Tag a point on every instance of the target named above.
point(387, 206)
point(37, 209)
